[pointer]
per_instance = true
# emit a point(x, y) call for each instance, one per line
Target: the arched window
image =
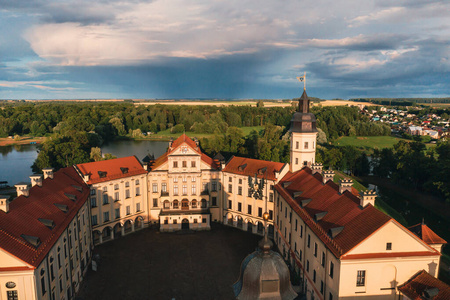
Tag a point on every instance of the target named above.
point(194, 203)
point(175, 204)
point(166, 204)
point(204, 203)
point(185, 204)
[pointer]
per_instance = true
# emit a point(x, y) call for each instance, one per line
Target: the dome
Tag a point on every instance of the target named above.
point(264, 275)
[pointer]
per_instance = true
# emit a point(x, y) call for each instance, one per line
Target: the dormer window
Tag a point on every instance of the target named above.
point(124, 170)
point(102, 174)
point(388, 246)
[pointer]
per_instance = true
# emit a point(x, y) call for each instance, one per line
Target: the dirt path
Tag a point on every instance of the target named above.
point(435, 204)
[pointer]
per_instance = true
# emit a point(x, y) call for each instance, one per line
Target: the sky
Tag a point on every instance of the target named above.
point(239, 49)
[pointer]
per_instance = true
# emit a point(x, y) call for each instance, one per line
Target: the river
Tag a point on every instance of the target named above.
point(16, 161)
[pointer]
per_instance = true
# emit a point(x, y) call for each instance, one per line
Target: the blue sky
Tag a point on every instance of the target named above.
point(70, 49)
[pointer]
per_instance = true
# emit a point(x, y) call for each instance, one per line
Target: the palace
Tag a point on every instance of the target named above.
point(338, 245)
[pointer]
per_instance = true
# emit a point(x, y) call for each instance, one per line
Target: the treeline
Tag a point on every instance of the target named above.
point(402, 101)
point(119, 119)
point(336, 121)
point(412, 165)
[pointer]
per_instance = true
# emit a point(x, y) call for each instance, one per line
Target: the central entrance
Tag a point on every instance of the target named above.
point(185, 224)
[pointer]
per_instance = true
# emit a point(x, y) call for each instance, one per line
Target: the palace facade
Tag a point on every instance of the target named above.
point(334, 239)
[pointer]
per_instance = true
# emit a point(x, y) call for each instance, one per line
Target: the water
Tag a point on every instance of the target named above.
point(16, 161)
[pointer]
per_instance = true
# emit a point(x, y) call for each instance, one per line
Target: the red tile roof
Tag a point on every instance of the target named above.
point(421, 282)
point(184, 139)
point(24, 212)
point(251, 166)
point(342, 210)
point(112, 167)
point(426, 234)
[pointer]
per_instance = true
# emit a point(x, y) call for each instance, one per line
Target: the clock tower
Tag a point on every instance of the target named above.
point(303, 136)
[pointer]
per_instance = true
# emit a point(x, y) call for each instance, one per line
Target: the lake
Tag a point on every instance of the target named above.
point(16, 161)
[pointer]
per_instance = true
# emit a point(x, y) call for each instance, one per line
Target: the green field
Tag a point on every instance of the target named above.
point(165, 134)
point(368, 142)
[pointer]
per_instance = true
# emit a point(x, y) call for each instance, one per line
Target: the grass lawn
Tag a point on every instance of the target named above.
point(165, 134)
point(367, 142)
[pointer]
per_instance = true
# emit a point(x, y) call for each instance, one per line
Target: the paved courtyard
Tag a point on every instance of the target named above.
point(153, 265)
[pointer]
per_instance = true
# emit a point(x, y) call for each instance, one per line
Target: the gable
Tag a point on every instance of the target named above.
point(402, 241)
point(7, 260)
point(183, 149)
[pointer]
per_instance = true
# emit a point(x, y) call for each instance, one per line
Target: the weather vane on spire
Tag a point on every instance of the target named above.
point(303, 79)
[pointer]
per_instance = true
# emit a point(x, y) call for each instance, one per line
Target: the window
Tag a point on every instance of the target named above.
point(296, 224)
point(127, 184)
point(193, 179)
point(128, 210)
point(296, 161)
point(184, 179)
point(315, 249)
point(230, 204)
point(166, 221)
point(43, 282)
point(184, 164)
point(155, 202)
point(306, 145)
point(175, 164)
point(174, 221)
point(323, 259)
point(184, 187)
point(321, 287)
point(52, 273)
point(93, 202)
point(138, 207)
point(270, 197)
point(230, 179)
point(116, 196)
point(307, 265)
point(285, 212)
point(195, 221)
point(240, 181)
point(213, 201)
point(249, 209)
point(204, 220)
point(230, 188)
point(192, 164)
point(259, 212)
point(127, 194)
point(106, 216)
point(117, 210)
point(300, 255)
point(309, 241)
point(194, 203)
point(175, 204)
point(105, 199)
point(314, 276)
point(175, 190)
point(305, 163)
point(296, 145)
point(239, 190)
point(105, 189)
point(388, 246)
point(155, 187)
point(270, 214)
point(92, 192)
point(214, 186)
point(175, 179)
point(193, 189)
point(94, 220)
point(164, 187)
point(331, 269)
point(138, 191)
point(204, 203)
point(116, 186)
point(361, 278)
point(239, 206)
point(136, 182)
point(301, 230)
point(330, 296)
point(249, 194)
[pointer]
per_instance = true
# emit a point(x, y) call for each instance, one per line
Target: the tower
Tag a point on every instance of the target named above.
point(303, 136)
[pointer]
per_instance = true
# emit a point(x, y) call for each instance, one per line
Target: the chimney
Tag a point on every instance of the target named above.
point(170, 143)
point(366, 197)
point(48, 173)
point(22, 189)
point(36, 179)
point(327, 175)
point(345, 185)
point(4, 204)
point(316, 168)
point(86, 177)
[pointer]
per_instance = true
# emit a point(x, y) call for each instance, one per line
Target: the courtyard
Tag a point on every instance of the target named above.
point(182, 265)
